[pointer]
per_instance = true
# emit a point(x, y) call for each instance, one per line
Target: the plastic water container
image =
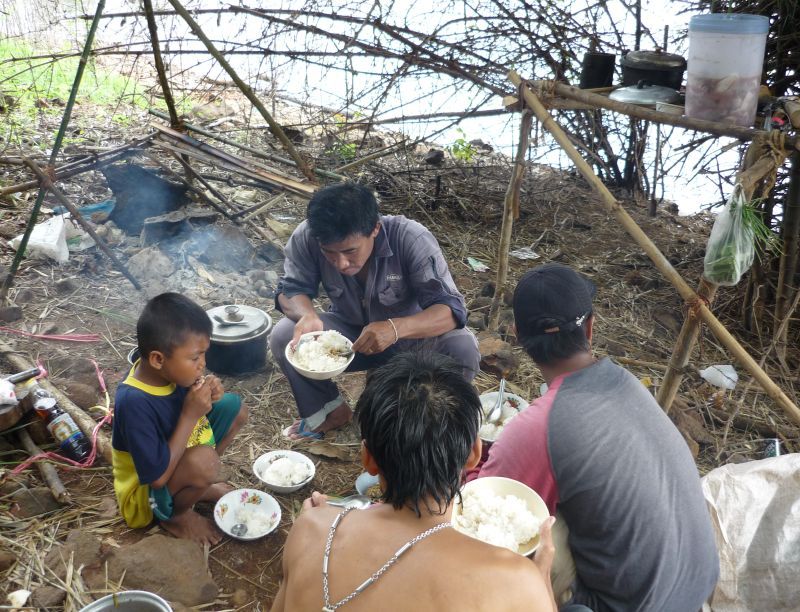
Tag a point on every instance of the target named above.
point(726, 54)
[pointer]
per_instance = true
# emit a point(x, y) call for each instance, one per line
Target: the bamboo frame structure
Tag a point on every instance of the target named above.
point(656, 256)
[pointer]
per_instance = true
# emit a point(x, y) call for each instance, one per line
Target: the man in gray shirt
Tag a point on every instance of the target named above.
point(390, 291)
point(601, 452)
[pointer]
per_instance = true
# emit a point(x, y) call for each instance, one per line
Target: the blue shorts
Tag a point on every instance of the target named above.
point(223, 413)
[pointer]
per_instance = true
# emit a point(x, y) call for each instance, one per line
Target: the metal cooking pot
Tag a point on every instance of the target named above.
point(129, 601)
point(238, 340)
point(655, 67)
point(643, 93)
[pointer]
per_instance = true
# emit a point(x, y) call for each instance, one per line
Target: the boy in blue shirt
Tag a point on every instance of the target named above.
point(172, 423)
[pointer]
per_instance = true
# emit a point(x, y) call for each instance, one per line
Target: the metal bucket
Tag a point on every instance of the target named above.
point(129, 601)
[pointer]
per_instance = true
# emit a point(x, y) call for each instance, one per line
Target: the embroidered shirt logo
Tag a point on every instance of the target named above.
point(394, 277)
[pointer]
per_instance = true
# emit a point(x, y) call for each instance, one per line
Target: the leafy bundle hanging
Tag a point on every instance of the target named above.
point(731, 246)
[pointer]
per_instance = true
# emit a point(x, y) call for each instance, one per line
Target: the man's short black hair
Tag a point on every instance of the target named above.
point(419, 419)
point(342, 210)
point(166, 321)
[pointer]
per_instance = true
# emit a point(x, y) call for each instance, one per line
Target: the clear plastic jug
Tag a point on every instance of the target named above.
point(726, 54)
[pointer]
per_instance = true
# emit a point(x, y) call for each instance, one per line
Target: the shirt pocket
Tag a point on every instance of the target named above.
point(395, 292)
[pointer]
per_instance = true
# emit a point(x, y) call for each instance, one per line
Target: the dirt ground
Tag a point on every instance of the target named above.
point(638, 318)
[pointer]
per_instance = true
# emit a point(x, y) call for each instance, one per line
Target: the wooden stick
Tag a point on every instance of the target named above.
point(687, 338)
point(162, 73)
point(651, 250)
point(510, 213)
point(82, 420)
point(543, 88)
point(274, 127)
point(46, 470)
point(49, 186)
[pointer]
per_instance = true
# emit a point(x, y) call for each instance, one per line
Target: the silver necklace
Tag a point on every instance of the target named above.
point(330, 607)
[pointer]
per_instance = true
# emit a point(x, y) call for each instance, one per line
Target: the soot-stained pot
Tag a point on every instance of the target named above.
point(238, 340)
point(655, 67)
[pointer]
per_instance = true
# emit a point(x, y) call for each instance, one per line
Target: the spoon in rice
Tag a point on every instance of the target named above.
point(357, 501)
point(239, 530)
point(497, 412)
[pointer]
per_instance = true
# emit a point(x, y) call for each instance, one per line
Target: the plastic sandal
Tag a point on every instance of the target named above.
point(303, 432)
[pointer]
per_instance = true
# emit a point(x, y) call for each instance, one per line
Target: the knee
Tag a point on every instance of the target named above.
point(204, 465)
point(280, 337)
point(462, 346)
point(241, 417)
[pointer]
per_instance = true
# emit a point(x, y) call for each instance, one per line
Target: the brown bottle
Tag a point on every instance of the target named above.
point(66, 433)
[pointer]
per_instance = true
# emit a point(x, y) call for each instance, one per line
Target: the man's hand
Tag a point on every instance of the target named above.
point(543, 558)
point(217, 390)
point(375, 338)
point(198, 400)
point(316, 500)
point(305, 324)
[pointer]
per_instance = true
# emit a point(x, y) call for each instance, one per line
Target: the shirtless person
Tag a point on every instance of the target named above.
point(419, 422)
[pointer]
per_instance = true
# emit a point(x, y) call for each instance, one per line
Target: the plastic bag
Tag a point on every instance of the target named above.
point(723, 376)
point(731, 246)
point(47, 239)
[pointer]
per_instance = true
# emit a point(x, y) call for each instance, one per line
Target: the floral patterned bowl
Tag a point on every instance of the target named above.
point(251, 507)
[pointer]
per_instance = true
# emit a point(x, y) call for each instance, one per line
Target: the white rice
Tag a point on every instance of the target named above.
point(258, 522)
point(320, 355)
point(501, 520)
point(284, 472)
point(510, 409)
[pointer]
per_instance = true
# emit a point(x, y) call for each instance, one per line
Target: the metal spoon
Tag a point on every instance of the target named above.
point(356, 501)
point(239, 530)
point(225, 323)
point(497, 411)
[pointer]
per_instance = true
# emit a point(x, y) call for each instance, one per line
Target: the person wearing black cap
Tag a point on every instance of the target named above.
point(601, 452)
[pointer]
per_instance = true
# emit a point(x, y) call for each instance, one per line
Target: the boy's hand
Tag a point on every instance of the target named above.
point(198, 400)
point(217, 390)
point(317, 499)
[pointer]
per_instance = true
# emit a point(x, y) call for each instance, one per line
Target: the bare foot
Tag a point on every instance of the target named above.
point(339, 416)
point(215, 491)
point(191, 526)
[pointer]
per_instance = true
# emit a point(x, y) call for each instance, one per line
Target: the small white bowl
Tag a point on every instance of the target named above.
point(487, 403)
point(502, 487)
point(312, 374)
point(227, 508)
point(263, 462)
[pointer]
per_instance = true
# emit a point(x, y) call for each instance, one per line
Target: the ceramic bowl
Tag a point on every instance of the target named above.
point(487, 403)
point(235, 506)
point(314, 374)
point(499, 486)
point(263, 462)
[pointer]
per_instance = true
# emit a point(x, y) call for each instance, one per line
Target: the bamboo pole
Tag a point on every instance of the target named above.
point(510, 214)
point(159, 63)
point(790, 254)
point(276, 158)
point(46, 470)
point(546, 88)
point(657, 257)
point(62, 129)
point(47, 184)
point(274, 127)
point(687, 338)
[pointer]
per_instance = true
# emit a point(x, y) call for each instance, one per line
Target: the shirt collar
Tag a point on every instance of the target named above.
point(131, 381)
point(381, 247)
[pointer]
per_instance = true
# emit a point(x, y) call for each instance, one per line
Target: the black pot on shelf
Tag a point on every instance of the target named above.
point(655, 67)
point(597, 70)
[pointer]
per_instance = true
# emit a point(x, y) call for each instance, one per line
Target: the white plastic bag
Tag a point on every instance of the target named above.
point(722, 376)
point(731, 246)
point(48, 239)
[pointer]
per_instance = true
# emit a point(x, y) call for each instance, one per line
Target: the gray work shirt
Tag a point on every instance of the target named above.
point(408, 274)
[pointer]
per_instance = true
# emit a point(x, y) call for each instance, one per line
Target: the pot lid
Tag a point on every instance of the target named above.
point(653, 60)
point(237, 323)
point(643, 93)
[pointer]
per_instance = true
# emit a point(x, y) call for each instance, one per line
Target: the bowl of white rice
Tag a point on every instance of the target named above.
point(284, 471)
point(501, 512)
point(512, 405)
point(257, 510)
point(318, 355)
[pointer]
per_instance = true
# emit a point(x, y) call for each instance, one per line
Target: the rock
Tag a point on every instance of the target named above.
point(480, 303)
point(488, 289)
point(259, 284)
point(476, 320)
point(82, 395)
point(266, 291)
point(175, 569)
point(497, 357)
point(28, 503)
point(257, 275)
point(7, 559)
point(82, 546)
point(24, 296)
point(434, 157)
point(505, 322)
point(48, 597)
point(151, 264)
point(668, 319)
point(269, 252)
point(224, 248)
point(8, 314)
point(12, 484)
point(66, 285)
